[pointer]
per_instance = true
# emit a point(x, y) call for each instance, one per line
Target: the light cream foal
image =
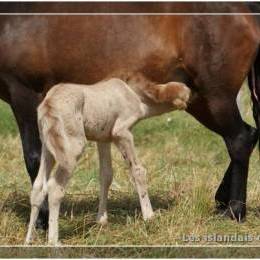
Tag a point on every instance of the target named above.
point(104, 112)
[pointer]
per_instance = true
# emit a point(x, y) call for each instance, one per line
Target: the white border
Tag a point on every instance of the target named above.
point(131, 14)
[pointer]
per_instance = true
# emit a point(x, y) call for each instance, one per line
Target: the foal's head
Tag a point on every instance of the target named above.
point(174, 92)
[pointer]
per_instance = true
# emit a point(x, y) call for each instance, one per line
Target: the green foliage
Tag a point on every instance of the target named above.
point(7, 122)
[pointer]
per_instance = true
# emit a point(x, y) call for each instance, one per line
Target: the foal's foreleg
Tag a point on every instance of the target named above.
point(106, 177)
point(125, 143)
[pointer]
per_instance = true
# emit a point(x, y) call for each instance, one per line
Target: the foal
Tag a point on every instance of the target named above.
point(72, 113)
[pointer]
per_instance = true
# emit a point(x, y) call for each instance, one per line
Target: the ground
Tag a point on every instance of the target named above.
point(185, 162)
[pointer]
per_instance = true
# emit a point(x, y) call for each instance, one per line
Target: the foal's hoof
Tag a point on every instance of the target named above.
point(149, 216)
point(27, 243)
point(102, 220)
point(54, 244)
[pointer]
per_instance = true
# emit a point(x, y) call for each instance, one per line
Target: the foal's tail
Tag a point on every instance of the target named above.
point(254, 86)
point(52, 130)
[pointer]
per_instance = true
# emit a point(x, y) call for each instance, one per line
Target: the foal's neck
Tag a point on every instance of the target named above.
point(142, 86)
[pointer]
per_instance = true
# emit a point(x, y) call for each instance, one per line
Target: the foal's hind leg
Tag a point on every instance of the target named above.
point(56, 191)
point(106, 177)
point(222, 116)
point(39, 190)
point(58, 182)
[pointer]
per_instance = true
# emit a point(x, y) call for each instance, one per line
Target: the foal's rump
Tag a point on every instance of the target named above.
point(60, 123)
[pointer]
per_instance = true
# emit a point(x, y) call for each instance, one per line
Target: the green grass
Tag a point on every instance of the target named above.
point(185, 162)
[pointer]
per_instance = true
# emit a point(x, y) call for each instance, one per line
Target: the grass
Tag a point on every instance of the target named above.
point(185, 162)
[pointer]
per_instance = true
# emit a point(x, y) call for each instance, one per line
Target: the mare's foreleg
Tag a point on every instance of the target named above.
point(221, 115)
point(231, 194)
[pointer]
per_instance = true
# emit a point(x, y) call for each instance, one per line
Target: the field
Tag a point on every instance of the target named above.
point(185, 162)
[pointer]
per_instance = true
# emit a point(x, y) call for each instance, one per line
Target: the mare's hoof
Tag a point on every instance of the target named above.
point(42, 222)
point(236, 210)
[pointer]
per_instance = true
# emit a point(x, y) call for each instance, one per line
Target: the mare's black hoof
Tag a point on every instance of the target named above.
point(236, 210)
point(42, 221)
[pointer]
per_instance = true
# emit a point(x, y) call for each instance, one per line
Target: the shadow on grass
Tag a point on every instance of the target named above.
point(120, 205)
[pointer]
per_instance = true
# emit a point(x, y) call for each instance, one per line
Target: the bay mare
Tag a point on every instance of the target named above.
point(212, 54)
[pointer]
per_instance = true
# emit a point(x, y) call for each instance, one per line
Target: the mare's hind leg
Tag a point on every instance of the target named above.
point(32, 152)
point(106, 177)
point(24, 102)
point(39, 190)
point(222, 116)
